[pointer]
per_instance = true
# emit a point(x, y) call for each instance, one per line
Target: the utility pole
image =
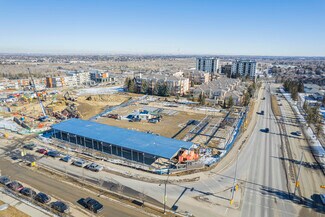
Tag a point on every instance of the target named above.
point(297, 184)
point(165, 193)
point(235, 179)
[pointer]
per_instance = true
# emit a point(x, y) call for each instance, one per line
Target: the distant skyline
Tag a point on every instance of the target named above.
point(174, 27)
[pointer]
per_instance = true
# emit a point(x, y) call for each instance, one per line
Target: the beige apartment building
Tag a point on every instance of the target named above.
point(177, 85)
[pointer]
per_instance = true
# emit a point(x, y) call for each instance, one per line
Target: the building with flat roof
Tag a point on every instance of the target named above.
point(207, 64)
point(176, 85)
point(129, 144)
point(101, 76)
point(243, 68)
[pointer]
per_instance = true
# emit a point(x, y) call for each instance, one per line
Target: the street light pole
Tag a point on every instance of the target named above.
point(165, 193)
point(235, 179)
point(297, 178)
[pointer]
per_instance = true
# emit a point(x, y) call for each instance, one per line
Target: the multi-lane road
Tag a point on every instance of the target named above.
point(265, 184)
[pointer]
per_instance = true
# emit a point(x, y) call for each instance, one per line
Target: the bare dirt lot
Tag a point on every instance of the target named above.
point(11, 211)
point(90, 106)
point(168, 127)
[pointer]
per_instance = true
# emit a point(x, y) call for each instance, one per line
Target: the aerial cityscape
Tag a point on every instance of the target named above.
point(162, 108)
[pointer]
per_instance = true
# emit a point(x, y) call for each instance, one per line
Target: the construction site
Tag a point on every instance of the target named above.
point(202, 134)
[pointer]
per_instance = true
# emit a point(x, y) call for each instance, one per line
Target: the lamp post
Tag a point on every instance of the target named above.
point(297, 178)
point(165, 192)
point(235, 179)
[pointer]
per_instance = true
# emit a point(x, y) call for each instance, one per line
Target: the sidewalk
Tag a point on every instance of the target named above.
point(21, 206)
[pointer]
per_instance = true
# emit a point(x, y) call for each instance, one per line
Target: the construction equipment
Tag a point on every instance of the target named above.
point(44, 117)
point(67, 96)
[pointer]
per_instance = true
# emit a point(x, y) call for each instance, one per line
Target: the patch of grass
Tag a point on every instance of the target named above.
point(275, 106)
point(11, 211)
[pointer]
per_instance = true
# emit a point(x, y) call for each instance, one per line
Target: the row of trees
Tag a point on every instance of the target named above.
point(247, 95)
point(314, 117)
point(160, 89)
point(294, 87)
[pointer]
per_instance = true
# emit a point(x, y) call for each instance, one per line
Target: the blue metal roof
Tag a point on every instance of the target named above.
point(143, 142)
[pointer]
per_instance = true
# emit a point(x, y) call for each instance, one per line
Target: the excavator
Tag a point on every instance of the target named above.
point(67, 96)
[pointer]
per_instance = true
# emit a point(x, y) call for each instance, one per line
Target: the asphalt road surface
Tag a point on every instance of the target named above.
point(63, 191)
point(261, 175)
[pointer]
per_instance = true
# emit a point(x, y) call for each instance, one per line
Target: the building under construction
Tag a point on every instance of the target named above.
point(129, 144)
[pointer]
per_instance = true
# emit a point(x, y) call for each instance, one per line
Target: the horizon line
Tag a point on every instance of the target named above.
point(146, 54)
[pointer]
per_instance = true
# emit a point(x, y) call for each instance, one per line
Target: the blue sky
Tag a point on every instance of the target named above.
point(241, 27)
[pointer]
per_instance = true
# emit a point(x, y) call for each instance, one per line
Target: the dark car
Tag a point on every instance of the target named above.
point(42, 151)
point(297, 133)
point(29, 146)
point(60, 206)
point(28, 192)
point(15, 186)
point(66, 158)
point(93, 205)
point(53, 154)
point(266, 130)
point(42, 198)
point(4, 180)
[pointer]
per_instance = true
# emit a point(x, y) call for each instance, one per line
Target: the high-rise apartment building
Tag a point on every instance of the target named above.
point(244, 68)
point(207, 64)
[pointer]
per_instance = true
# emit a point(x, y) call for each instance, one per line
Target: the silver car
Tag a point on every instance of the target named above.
point(79, 163)
point(94, 167)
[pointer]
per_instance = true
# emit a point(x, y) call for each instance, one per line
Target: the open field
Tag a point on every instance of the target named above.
point(11, 211)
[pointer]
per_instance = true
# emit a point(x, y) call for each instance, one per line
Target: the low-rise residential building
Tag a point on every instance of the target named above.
point(226, 69)
point(78, 78)
point(101, 77)
point(199, 77)
point(220, 90)
point(17, 84)
point(176, 85)
point(53, 82)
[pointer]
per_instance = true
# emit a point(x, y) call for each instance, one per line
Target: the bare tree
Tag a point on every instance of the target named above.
point(319, 129)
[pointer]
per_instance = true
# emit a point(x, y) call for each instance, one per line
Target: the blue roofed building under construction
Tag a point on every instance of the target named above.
point(132, 145)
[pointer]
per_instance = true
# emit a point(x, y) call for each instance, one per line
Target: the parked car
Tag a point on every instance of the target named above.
point(94, 167)
point(262, 112)
point(322, 198)
point(66, 158)
point(29, 146)
point(266, 130)
point(4, 180)
point(79, 163)
point(60, 206)
point(28, 192)
point(15, 186)
point(42, 198)
point(53, 154)
point(135, 120)
point(42, 151)
point(93, 205)
point(298, 133)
